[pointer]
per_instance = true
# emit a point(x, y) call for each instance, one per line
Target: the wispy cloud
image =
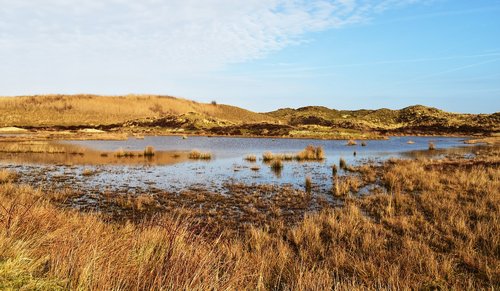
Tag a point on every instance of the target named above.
point(189, 34)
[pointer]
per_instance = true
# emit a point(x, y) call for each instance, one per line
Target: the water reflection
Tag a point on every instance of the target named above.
point(170, 168)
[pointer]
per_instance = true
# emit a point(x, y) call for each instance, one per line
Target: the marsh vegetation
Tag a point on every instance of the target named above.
point(197, 155)
point(429, 224)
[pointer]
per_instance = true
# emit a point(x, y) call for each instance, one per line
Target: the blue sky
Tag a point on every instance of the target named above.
point(261, 55)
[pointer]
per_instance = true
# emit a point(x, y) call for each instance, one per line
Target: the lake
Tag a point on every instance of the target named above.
point(227, 165)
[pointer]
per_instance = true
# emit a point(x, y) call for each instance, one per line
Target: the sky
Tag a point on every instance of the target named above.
point(258, 54)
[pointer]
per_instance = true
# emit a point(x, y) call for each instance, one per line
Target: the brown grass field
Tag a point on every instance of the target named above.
point(430, 225)
point(91, 110)
point(89, 115)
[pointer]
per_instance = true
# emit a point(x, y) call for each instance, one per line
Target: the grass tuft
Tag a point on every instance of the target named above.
point(7, 176)
point(251, 158)
point(197, 155)
point(149, 151)
point(308, 183)
point(342, 164)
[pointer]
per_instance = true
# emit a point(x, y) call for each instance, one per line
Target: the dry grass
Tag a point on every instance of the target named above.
point(435, 227)
point(432, 146)
point(7, 176)
point(87, 172)
point(93, 110)
point(267, 157)
point(344, 185)
point(310, 153)
point(308, 184)
point(334, 170)
point(255, 168)
point(197, 155)
point(351, 142)
point(277, 165)
point(342, 164)
point(38, 147)
point(121, 153)
point(251, 158)
point(149, 151)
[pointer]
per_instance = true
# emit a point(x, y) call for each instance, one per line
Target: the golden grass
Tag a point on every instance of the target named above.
point(435, 227)
point(344, 185)
point(251, 158)
point(308, 184)
point(334, 170)
point(149, 151)
point(38, 147)
point(277, 165)
point(6, 176)
point(310, 153)
point(267, 157)
point(93, 110)
point(121, 153)
point(432, 146)
point(342, 164)
point(87, 172)
point(197, 155)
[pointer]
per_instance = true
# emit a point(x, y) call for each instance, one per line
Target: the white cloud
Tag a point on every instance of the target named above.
point(191, 34)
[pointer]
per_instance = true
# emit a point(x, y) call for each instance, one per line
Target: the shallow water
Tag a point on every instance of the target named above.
point(227, 165)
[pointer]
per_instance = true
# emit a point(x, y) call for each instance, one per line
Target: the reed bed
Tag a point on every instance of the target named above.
point(310, 153)
point(197, 155)
point(251, 158)
point(38, 147)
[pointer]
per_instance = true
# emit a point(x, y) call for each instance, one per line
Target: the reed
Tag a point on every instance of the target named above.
point(251, 158)
point(7, 176)
point(197, 155)
point(308, 184)
point(351, 142)
point(433, 225)
point(87, 172)
point(277, 165)
point(149, 151)
point(267, 156)
point(311, 153)
point(342, 164)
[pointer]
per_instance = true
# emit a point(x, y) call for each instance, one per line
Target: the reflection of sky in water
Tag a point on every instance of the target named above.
point(228, 164)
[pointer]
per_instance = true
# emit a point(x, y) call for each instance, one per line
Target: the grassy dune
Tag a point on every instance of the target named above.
point(433, 224)
point(165, 115)
point(418, 119)
point(67, 110)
